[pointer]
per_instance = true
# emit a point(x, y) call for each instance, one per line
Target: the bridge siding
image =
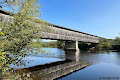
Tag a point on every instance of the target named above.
point(60, 33)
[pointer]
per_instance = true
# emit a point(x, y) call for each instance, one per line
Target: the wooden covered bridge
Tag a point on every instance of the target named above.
point(72, 37)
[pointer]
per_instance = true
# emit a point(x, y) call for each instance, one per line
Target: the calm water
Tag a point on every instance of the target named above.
point(82, 65)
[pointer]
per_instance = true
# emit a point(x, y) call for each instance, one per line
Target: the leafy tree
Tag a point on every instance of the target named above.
point(108, 45)
point(117, 41)
point(50, 44)
point(104, 44)
point(16, 35)
point(60, 44)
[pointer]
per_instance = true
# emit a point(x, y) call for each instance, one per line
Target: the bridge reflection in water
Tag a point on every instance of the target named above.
point(55, 70)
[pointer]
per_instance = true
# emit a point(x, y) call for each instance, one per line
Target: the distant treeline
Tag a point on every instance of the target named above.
point(104, 44)
point(55, 44)
point(109, 44)
point(50, 44)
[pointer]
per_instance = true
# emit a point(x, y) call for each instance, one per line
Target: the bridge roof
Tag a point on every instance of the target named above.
point(71, 29)
point(10, 13)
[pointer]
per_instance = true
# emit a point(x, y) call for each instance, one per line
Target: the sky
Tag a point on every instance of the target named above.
point(97, 17)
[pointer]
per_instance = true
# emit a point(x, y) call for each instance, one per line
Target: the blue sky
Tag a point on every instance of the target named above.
point(97, 17)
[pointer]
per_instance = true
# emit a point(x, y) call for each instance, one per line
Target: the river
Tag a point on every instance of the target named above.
point(69, 65)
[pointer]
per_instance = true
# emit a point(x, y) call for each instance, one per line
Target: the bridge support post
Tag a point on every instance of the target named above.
point(71, 46)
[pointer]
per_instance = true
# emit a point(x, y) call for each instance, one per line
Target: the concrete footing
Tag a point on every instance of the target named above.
point(71, 46)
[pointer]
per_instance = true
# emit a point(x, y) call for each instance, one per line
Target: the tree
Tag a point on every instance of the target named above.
point(117, 41)
point(60, 44)
point(16, 35)
point(104, 44)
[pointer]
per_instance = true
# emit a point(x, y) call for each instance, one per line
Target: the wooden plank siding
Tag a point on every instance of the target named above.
point(69, 35)
point(58, 32)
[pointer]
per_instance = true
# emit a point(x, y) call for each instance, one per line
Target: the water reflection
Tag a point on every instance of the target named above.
point(54, 70)
point(72, 55)
point(54, 53)
point(59, 64)
point(101, 56)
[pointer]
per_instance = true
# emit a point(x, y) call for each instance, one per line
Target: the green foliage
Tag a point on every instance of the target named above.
point(104, 44)
point(16, 36)
point(117, 41)
point(60, 44)
point(49, 44)
point(107, 44)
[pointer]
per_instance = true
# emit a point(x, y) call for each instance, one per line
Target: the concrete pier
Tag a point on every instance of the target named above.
point(71, 46)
